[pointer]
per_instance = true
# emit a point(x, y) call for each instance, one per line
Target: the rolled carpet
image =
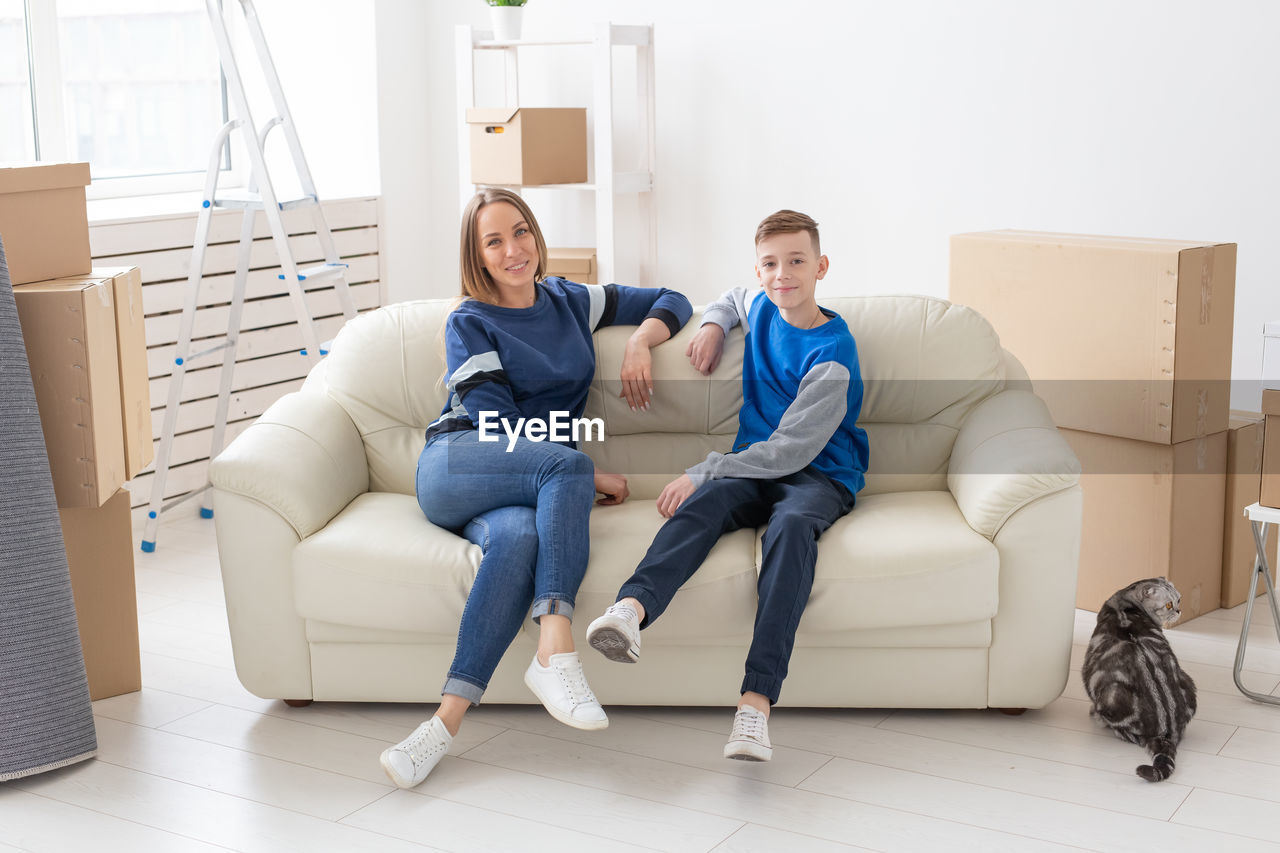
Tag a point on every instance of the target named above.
point(46, 720)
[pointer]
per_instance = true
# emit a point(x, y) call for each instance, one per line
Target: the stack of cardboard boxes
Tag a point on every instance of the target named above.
point(1128, 341)
point(85, 341)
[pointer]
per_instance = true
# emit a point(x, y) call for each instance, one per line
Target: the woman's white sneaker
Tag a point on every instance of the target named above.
point(616, 634)
point(749, 739)
point(409, 761)
point(563, 690)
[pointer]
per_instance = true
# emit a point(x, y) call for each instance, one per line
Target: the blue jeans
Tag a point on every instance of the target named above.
point(798, 509)
point(528, 511)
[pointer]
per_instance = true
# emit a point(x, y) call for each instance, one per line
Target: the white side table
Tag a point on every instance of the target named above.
point(1259, 517)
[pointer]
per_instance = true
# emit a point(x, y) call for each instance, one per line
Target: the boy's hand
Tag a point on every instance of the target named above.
point(706, 348)
point(612, 486)
point(637, 374)
point(675, 493)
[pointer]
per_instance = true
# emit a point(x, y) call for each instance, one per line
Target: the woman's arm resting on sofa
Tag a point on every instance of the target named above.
point(303, 458)
point(1008, 453)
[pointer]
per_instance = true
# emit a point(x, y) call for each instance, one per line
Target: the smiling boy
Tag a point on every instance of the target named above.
point(797, 462)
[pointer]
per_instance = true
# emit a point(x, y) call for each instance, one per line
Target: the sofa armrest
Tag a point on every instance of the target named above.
point(303, 459)
point(1008, 454)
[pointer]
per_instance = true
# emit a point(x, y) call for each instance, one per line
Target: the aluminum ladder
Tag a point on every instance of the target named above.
point(260, 195)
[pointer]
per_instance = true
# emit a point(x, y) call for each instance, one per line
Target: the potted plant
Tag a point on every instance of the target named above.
point(506, 18)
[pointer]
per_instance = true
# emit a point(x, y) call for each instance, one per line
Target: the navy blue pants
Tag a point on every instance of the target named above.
point(797, 508)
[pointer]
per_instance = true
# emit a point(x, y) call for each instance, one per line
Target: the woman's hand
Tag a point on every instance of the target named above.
point(612, 486)
point(637, 374)
point(675, 493)
point(706, 348)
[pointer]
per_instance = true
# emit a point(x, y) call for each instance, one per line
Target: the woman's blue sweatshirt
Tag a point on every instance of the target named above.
point(529, 362)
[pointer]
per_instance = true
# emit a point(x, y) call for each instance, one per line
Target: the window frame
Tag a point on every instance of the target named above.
point(44, 60)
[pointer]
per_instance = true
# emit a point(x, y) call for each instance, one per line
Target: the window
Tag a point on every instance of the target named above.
point(17, 130)
point(131, 86)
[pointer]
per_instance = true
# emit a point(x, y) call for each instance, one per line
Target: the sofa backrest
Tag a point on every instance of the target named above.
point(925, 364)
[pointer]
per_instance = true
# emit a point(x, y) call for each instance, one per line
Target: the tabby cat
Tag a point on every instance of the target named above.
point(1131, 675)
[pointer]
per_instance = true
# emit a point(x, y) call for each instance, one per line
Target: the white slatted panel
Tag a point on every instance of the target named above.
point(268, 362)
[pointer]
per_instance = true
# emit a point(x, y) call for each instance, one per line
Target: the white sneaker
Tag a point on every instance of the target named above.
point(749, 740)
point(616, 634)
point(409, 761)
point(562, 688)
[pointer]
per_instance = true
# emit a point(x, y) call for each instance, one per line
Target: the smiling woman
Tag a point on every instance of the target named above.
point(519, 350)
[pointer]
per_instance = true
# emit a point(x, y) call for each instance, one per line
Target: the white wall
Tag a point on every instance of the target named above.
point(894, 125)
point(324, 51)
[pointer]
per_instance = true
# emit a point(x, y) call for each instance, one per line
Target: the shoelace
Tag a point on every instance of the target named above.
point(626, 611)
point(421, 746)
point(575, 682)
point(748, 726)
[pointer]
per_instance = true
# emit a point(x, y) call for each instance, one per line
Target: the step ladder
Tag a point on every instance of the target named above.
point(260, 195)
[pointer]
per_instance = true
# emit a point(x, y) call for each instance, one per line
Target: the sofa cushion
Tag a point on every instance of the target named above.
point(717, 603)
point(386, 369)
point(899, 560)
point(926, 363)
point(380, 564)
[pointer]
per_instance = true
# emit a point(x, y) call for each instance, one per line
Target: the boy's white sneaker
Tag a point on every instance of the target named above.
point(749, 740)
point(409, 761)
point(616, 634)
point(563, 690)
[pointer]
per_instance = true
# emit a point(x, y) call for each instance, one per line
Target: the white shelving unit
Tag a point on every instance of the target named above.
point(605, 180)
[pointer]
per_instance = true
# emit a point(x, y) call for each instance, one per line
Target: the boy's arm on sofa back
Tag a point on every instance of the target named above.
point(303, 459)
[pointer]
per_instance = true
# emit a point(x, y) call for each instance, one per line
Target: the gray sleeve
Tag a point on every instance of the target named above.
point(806, 427)
point(731, 309)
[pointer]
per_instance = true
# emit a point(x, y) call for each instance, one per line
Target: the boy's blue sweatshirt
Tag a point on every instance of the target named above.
point(529, 362)
point(801, 396)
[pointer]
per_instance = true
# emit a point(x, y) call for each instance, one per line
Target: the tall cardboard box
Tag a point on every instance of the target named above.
point(69, 327)
point(1271, 355)
point(528, 145)
point(574, 264)
point(43, 220)
point(1151, 510)
point(131, 351)
point(1120, 336)
point(1244, 480)
point(1270, 491)
point(99, 544)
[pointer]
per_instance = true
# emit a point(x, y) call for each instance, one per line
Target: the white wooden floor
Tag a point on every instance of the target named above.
point(194, 762)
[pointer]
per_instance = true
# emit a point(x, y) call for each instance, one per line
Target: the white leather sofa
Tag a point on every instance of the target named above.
point(950, 585)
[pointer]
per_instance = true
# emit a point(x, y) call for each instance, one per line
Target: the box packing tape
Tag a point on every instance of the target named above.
point(1206, 285)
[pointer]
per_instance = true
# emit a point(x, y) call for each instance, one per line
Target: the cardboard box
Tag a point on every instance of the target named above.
point(527, 146)
point(43, 221)
point(1151, 510)
point(1123, 337)
point(1244, 479)
point(99, 544)
point(574, 264)
point(1271, 355)
point(69, 327)
point(1269, 494)
point(135, 386)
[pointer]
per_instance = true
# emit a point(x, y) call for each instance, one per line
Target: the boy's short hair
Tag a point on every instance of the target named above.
point(788, 222)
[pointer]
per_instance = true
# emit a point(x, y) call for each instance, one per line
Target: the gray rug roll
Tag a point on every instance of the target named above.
point(46, 720)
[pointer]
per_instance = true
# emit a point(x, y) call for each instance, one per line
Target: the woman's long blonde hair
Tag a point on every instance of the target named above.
point(476, 281)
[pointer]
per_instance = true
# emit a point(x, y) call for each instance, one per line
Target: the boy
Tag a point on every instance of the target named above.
point(797, 462)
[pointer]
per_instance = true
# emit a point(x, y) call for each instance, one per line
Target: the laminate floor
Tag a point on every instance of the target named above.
point(195, 762)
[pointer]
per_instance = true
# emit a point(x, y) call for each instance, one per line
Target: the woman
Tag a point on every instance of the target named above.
point(519, 346)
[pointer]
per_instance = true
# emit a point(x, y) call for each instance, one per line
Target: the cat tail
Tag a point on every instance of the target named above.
point(1163, 752)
